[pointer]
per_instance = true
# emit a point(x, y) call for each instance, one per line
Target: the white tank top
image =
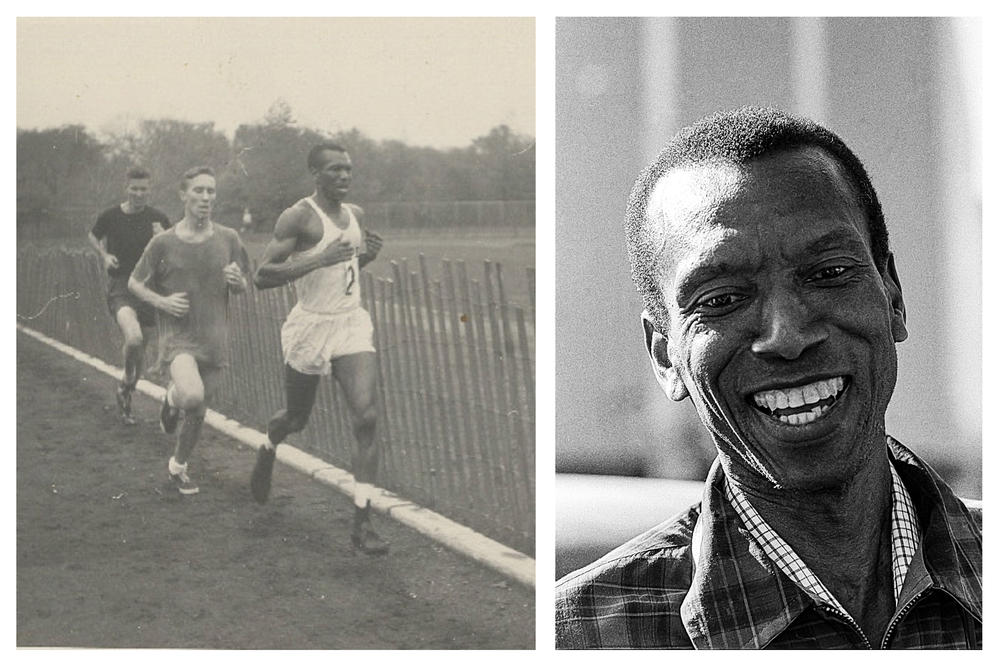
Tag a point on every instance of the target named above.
point(331, 289)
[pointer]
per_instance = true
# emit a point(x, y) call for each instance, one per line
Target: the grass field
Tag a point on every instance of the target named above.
point(514, 249)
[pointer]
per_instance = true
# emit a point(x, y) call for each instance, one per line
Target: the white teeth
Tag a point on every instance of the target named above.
point(803, 417)
point(797, 396)
point(825, 389)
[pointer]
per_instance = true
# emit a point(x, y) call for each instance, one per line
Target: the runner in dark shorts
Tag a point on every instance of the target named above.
point(119, 236)
point(187, 274)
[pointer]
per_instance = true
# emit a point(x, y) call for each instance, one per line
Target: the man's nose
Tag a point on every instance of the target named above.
point(788, 327)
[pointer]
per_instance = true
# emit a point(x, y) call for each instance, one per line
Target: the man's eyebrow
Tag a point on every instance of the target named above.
point(689, 281)
point(839, 238)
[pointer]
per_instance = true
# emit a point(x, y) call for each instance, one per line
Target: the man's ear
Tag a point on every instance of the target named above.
point(895, 290)
point(667, 375)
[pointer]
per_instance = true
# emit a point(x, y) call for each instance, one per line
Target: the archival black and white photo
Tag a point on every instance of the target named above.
point(768, 333)
point(275, 362)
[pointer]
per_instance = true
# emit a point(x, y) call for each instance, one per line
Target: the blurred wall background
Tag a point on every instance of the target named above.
point(903, 93)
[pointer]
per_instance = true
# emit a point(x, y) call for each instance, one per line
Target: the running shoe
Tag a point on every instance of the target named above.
point(260, 480)
point(364, 537)
point(123, 397)
point(183, 482)
point(168, 417)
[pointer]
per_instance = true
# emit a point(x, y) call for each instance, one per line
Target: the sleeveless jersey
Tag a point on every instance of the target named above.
point(331, 289)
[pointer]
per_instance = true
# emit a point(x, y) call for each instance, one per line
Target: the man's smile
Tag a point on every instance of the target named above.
point(803, 404)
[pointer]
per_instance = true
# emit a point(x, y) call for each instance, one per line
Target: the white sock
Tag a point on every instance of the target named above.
point(175, 467)
point(362, 493)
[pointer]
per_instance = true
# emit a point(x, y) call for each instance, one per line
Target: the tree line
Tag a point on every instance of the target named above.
point(263, 167)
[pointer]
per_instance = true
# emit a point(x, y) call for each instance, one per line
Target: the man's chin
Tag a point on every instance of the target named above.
point(791, 434)
point(813, 455)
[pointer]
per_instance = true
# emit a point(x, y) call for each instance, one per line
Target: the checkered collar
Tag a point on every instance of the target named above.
point(905, 539)
point(736, 600)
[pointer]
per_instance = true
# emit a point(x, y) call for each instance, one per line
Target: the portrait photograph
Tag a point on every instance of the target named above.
point(768, 332)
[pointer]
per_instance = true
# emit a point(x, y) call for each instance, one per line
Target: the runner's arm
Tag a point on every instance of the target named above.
point(277, 269)
point(175, 304)
point(373, 242)
point(107, 259)
point(237, 269)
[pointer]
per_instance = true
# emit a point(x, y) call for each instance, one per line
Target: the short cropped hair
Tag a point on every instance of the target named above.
point(738, 136)
point(194, 172)
point(137, 173)
point(313, 160)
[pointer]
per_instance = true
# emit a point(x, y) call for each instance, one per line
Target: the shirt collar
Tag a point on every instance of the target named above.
point(729, 564)
point(905, 531)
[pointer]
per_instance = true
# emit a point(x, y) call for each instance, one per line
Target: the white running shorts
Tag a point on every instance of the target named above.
point(309, 341)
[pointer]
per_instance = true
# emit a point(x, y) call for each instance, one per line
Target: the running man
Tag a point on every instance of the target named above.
point(317, 245)
point(119, 236)
point(187, 274)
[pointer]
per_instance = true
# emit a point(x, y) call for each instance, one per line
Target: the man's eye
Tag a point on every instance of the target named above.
point(720, 301)
point(829, 273)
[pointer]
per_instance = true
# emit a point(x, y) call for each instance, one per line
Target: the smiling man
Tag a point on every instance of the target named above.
point(773, 304)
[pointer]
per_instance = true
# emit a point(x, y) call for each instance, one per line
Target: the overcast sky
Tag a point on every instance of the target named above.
point(430, 81)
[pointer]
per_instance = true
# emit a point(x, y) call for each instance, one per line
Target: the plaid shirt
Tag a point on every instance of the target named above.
point(703, 581)
point(904, 529)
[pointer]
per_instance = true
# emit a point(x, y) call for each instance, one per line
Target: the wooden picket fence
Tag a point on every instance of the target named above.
point(456, 403)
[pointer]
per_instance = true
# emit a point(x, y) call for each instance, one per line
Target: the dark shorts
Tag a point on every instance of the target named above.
point(119, 296)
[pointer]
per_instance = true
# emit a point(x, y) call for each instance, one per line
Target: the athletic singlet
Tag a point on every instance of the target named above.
point(331, 289)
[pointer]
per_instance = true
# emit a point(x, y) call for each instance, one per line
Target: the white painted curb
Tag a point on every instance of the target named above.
point(459, 538)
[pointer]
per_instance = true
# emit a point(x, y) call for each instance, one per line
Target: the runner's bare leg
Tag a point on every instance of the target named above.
point(191, 386)
point(134, 349)
point(356, 375)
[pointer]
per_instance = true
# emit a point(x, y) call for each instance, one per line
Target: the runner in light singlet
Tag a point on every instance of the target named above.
point(318, 245)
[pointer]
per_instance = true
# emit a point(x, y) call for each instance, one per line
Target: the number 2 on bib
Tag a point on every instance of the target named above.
point(350, 279)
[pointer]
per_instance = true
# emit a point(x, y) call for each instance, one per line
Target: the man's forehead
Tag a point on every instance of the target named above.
point(329, 155)
point(689, 188)
point(202, 179)
point(691, 196)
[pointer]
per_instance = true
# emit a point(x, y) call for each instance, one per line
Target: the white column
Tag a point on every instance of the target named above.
point(961, 173)
point(809, 70)
point(660, 63)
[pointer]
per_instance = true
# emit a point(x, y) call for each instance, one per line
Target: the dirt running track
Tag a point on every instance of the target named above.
point(109, 555)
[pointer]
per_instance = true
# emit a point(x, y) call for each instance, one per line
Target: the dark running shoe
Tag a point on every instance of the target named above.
point(364, 537)
point(260, 480)
point(183, 482)
point(123, 397)
point(168, 417)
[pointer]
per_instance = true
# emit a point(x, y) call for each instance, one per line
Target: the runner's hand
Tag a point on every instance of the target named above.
point(110, 261)
point(334, 253)
point(373, 243)
point(176, 304)
point(233, 275)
